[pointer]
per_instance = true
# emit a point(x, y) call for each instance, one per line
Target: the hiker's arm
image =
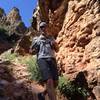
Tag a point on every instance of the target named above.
point(55, 46)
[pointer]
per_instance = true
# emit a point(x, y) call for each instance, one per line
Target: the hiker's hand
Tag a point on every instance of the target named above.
point(32, 51)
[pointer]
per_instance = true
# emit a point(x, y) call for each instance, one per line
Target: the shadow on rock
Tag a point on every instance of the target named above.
point(82, 91)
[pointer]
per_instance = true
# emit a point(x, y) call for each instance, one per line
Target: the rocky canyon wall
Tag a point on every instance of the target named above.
point(76, 24)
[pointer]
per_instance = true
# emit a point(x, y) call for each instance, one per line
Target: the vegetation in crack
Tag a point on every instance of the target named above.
point(33, 69)
point(70, 90)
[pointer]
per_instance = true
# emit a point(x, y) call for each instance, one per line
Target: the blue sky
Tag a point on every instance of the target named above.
point(25, 6)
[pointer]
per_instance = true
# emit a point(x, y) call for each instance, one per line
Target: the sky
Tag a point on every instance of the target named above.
point(25, 6)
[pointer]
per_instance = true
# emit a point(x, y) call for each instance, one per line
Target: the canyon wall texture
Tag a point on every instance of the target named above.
point(76, 25)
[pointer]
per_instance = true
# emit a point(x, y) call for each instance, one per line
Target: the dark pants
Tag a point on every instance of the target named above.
point(48, 68)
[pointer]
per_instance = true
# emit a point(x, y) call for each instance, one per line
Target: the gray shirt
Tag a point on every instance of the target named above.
point(44, 46)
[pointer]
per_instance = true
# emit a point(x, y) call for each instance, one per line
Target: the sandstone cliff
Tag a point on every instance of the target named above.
point(15, 21)
point(76, 24)
point(12, 22)
point(11, 28)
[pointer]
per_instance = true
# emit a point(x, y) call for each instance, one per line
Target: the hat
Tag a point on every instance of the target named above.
point(43, 24)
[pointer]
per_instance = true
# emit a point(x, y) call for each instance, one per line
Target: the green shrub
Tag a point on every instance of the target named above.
point(82, 91)
point(65, 86)
point(33, 69)
point(70, 90)
point(9, 56)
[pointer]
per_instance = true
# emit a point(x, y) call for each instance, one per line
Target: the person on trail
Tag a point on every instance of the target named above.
point(45, 46)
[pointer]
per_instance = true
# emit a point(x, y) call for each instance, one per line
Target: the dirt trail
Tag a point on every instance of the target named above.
point(15, 83)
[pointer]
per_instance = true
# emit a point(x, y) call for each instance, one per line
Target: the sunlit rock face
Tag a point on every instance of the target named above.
point(79, 41)
point(80, 28)
point(14, 15)
point(12, 28)
point(12, 22)
point(15, 22)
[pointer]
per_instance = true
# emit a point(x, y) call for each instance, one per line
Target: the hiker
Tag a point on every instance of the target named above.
point(45, 46)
